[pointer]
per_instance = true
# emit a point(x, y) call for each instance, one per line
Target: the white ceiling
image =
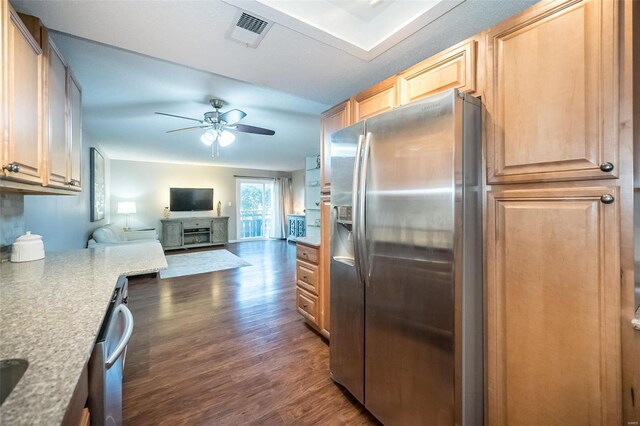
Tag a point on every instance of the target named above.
point(192, 33)
point(121, 91)
point(358, 27)
point(293, 77)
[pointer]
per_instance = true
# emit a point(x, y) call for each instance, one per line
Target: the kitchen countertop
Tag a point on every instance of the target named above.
point(310, 241)
point(50, 314)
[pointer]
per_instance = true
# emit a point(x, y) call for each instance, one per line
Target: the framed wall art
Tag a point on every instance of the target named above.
point(98, 189)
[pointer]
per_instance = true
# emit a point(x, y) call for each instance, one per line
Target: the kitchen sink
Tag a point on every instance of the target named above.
point(11, 371)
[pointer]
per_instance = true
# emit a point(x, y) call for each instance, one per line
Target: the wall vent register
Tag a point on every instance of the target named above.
point(251, 23)
point(248, 29)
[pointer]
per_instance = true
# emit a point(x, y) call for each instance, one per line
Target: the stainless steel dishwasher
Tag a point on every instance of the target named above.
point(106, 364)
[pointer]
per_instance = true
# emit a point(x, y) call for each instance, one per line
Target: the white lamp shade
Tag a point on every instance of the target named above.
point(209, 137)
point(126, 207)
point(226, 138)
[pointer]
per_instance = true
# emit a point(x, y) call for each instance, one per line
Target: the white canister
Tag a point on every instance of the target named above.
point(27, 247)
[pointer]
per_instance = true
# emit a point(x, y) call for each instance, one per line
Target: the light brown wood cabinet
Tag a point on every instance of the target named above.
point(85, 419)
point(454, 68)
point(307, 306)
point(552, 93)
point(43, 111)
point(57, 151)
point(325, 264)
point(375, 100)
point(553, 307)
point(311, 295)
point(23, 103)
point(74, 108)
point(331, 121)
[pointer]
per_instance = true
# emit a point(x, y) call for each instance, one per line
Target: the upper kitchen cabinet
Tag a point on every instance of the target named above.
point(74, 108)
point(455, 68)
point(55, 78)
point(375, 100)
point(332, 120)
point(552, 93)
point(553, 307)
point(22, 100)
point(43, 111)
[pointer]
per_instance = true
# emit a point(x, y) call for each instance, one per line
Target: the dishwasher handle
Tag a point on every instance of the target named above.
point(124, 340)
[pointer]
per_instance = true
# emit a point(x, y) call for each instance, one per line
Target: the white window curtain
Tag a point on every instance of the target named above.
point(282, 207)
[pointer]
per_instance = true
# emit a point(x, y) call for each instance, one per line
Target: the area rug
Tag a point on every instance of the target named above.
point(201, 262)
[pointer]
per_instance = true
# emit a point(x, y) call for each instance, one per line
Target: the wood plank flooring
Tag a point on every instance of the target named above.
point(229, 348)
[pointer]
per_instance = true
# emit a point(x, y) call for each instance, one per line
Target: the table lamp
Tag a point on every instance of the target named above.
point(126, 208)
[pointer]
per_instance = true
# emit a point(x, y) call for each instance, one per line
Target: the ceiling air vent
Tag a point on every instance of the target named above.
point(251, 23)
point(248, 29)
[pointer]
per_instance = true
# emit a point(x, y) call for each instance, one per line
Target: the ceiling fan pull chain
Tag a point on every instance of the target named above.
point(215, 151)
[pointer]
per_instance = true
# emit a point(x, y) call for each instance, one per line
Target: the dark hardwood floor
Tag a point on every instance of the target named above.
point(229, 347)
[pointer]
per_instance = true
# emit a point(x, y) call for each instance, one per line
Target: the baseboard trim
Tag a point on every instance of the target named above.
point(253, 241)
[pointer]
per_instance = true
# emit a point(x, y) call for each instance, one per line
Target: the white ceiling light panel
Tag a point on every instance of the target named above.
point(363, 28)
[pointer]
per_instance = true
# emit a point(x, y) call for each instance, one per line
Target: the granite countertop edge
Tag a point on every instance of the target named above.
point(310, 241)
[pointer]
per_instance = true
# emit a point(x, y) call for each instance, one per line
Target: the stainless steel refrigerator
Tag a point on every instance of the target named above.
point(406, 262)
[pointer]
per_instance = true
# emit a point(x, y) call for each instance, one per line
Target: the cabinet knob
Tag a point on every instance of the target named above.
point(607, 199)
point(12, 167)
point(73, 182)
point(606, 167)
point(304, 277)
point(304, 305)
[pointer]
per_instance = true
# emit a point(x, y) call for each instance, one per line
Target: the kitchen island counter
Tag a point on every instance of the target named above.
point(51, 311)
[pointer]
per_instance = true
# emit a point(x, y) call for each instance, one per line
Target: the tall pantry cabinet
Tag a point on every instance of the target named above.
point(556, 192)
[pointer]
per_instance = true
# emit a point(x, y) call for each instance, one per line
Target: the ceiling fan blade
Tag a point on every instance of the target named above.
point(253, 129)
point(232, 116)
point(179, 116)
point(187, 128)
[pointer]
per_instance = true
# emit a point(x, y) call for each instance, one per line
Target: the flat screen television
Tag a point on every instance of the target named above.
point(190, 199)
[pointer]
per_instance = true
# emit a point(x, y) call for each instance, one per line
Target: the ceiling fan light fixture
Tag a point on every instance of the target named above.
point(226, 138)
point(209, 137)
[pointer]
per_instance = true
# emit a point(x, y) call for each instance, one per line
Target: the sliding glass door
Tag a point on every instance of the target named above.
point(255, 208)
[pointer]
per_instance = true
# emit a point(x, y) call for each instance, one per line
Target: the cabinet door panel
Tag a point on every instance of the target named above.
point(375, 100)
point(451, 69)
point(74, 99)
point(333, 120)
point(219, 229)
point(56, 95)
point(171, 235)
point(25, 102)
point(551, 93)
point(553, 306)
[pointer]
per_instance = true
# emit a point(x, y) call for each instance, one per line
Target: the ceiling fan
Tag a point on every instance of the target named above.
point(220, 125)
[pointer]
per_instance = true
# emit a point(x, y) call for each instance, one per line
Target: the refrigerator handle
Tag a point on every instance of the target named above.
point(354, 204)
point(361, 212)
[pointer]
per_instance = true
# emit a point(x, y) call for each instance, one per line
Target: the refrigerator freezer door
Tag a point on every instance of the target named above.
point(347, 291)
point(409, 249)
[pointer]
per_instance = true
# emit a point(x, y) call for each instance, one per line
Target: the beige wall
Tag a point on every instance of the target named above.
point(297, 189)
point(148, 185)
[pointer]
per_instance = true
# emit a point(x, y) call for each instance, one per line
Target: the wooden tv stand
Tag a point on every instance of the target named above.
point(191, 232)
